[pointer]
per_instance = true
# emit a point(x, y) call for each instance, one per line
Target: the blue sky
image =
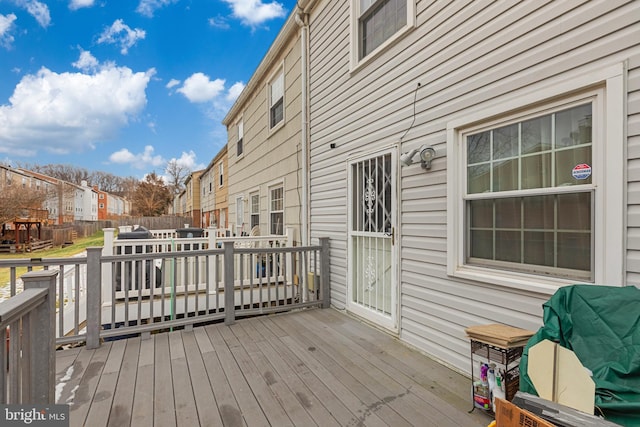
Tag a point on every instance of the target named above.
point(124, 86)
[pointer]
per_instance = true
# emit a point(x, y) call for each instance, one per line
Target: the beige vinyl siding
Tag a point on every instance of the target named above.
point(463, 54)
point(270, 155)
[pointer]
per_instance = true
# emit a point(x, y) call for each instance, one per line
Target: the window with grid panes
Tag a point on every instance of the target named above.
point(276, 210)
point(255, 209)
point(529, 194)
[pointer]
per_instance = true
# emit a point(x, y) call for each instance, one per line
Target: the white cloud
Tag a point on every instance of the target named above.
point(254, 12)
point(6, 26)
point(122, 35)
point(69, 112)
point(141, 161)
point(219, 22)
point(172, 83)
point(148, 7)
point(188, 160)
point(234, 91)
point(87, 62)
point(38, 10)
point(77, 4)
point(198, 88)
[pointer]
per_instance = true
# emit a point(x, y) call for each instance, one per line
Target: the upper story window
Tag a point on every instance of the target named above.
point(376, 23)
point(221, 174)
point(239, 147)
point(276, 100)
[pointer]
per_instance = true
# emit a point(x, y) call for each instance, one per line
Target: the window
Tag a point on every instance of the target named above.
point(240, 138)
point(538, 199)
point(101, 205)
point(276, 100)
point(101, 196)
point(545, 229)
point(240, 214)
point(276, 210)
point(221, 174)
point(255, 209)
point(376, 22)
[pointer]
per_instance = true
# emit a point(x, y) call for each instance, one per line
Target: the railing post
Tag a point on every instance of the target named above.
point(325, 271)
point(229, 291)
point(94, 293)
point(107, 279)
point(42, 324)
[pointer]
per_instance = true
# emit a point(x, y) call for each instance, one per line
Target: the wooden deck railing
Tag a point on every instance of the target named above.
point(148, 292)
point(27, 323)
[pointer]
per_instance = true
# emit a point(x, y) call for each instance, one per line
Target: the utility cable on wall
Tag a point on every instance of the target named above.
point(413, 120)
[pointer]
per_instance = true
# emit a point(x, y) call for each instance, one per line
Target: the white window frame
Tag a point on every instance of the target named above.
point(356, 61)
point(609, 159)
point(277, 75)
point(240, 138)
point(239, 214)
point(271, 187)
point(253, 194)
point(220, 174)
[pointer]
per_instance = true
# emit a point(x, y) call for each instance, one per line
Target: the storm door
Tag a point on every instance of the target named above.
point(372, 286)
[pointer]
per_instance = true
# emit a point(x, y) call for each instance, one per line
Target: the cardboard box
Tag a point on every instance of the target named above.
point(509, 415)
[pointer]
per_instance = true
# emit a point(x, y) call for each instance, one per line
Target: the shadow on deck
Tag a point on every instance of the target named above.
point(311, 367)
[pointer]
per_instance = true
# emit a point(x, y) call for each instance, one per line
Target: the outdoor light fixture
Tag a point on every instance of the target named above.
point(427, 154)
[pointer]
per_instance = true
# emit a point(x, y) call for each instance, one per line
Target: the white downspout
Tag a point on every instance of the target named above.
point(304, 31)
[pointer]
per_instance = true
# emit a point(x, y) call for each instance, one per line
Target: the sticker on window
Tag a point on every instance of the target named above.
point(581, 171)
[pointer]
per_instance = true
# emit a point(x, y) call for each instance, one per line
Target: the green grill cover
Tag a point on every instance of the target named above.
point(601, 325)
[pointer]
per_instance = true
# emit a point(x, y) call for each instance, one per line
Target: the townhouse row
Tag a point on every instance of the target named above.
point(466, 158)
point(60, 201)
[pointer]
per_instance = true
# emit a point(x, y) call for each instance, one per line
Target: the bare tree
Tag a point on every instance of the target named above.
point(69, 173)
point(17, 202)
point(151, 196)
point(177, 174)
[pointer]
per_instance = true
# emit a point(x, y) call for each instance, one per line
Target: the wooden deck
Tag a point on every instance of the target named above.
point(306, 368)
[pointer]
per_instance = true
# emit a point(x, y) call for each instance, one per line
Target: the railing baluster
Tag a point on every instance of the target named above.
point(269, 278)
point(61, 303)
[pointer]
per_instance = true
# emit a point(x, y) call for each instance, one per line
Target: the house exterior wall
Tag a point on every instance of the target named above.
point(468, 57)
point(208, 195)
point(192, 190)
point(271, 157)
point(221, 190)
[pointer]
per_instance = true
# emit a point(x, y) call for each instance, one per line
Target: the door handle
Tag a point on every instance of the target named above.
point(392, 234)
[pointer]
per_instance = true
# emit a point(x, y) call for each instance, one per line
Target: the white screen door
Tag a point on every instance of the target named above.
point(372, 217)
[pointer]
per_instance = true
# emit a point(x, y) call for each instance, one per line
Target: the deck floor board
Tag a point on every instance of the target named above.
point(311, 367)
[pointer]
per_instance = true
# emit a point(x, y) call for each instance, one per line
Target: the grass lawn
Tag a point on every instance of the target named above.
point(59, 252)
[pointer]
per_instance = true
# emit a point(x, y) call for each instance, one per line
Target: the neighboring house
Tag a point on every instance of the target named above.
point(192, 193)
point(60, 198)
point(264, 142)
point(103, 203)
point(532, 110)
point(220, 168)
point(208, 196)
point(90, 202)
